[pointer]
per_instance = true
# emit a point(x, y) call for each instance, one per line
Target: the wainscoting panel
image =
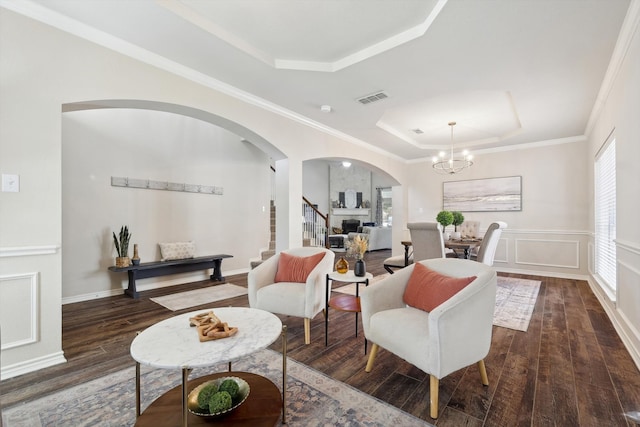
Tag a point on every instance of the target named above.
point(502, 251)
point(19, 295)
point(548, 253)
point(629, 295)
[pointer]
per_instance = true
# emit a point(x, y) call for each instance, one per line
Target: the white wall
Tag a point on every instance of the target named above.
point(619, 114)
point(315, 183)
point(550, 235)
point(43, 69)
point(142, 144)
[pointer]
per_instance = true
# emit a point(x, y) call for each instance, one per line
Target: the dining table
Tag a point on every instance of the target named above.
point(465, 245)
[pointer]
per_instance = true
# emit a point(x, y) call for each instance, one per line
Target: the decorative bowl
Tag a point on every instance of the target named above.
point(192, 400)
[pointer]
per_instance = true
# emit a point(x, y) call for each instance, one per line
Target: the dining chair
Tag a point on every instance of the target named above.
point(487, 249)
point(469, 229)
point(441, 333)
point(289, 283)
point(427, 242)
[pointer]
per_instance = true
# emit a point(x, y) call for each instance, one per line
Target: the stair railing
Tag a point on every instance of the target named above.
point(315, 225)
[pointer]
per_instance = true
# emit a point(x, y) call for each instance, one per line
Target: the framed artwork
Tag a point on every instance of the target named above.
point(483, 195)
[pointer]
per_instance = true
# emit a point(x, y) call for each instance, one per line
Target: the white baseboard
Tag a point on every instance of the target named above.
point(542, 273)
point(144, 287)
point(32, 365)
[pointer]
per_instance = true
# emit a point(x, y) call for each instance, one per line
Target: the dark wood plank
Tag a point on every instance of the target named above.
point(569, 368)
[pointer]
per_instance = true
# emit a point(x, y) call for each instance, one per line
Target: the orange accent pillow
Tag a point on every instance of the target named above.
point(427, 289)
point(293, 268)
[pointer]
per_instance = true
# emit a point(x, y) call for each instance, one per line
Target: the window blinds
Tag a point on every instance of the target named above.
point(605, 215)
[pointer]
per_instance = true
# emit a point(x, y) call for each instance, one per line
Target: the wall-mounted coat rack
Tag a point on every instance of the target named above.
point(164, 185)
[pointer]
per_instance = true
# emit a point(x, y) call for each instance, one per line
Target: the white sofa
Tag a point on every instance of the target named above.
point(379, 237)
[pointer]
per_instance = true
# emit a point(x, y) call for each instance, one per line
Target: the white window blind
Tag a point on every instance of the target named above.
point(605, 215)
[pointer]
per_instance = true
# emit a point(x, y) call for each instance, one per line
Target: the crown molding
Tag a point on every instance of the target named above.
point(625, 37)
point(40, 13)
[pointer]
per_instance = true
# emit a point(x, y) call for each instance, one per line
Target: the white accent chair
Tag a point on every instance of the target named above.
point(452, 336)
point(291, 299)
point(426, 242)
point(487, 249)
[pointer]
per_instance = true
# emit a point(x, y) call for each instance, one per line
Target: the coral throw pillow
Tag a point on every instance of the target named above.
point(427, 289)
point(293, 268)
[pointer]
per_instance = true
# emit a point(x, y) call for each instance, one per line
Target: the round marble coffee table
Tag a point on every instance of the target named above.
point(173, 344)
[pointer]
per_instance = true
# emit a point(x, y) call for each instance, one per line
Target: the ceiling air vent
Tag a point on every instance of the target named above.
point(418, 131)
point(372, 98)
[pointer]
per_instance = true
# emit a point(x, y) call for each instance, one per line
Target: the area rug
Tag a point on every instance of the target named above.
point(206, 295)
point(515, 300)
point(313, 399)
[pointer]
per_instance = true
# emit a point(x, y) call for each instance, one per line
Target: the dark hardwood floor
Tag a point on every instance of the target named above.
point(569, 369)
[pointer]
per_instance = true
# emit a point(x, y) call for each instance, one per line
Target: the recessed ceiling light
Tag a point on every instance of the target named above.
point(326, 108)
point(346, 164)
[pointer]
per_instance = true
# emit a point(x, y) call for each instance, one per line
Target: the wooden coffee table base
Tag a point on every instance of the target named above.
point(263, 407)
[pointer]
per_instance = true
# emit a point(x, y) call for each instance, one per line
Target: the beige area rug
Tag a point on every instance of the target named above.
point(313, 399)
point(515, 300)
point(206, 295)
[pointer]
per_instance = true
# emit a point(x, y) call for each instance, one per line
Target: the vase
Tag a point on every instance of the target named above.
point(360, 269)
point(136, 258)
point(342, 266)
point(123, 261)
point(456, 235)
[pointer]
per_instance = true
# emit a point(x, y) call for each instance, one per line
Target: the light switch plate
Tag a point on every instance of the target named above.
point(10, 183)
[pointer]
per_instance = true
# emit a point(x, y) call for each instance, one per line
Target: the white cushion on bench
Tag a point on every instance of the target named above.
point(177, 250)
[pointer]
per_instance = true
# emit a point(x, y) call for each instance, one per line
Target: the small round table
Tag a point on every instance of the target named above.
point(173, 344)
point(344, 302)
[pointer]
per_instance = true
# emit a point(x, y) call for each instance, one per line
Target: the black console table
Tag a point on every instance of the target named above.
point(162, 268)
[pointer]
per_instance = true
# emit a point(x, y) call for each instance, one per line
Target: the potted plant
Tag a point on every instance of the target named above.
point(444, 218)
point(122, 247)
point(458, 219)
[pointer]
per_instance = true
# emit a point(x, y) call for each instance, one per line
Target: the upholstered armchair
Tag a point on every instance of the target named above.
point(487, 250)
point(451, 336)
point(295, 293)
point(426, 242)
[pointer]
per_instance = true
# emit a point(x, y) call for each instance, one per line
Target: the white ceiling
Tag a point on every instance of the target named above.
point(509, 72)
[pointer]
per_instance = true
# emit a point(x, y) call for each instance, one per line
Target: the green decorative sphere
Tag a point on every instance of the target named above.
point(219, 402)
point(231, 387)
point(205, 395)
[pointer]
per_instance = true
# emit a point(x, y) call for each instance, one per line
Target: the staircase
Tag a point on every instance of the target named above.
point(310, 236)
point(264, 255)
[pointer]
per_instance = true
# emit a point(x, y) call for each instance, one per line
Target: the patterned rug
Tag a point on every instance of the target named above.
point(515, 300)
point(313, 399)
point(206, 295)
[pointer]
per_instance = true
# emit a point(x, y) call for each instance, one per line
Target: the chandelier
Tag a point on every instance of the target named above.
point(452, 165)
